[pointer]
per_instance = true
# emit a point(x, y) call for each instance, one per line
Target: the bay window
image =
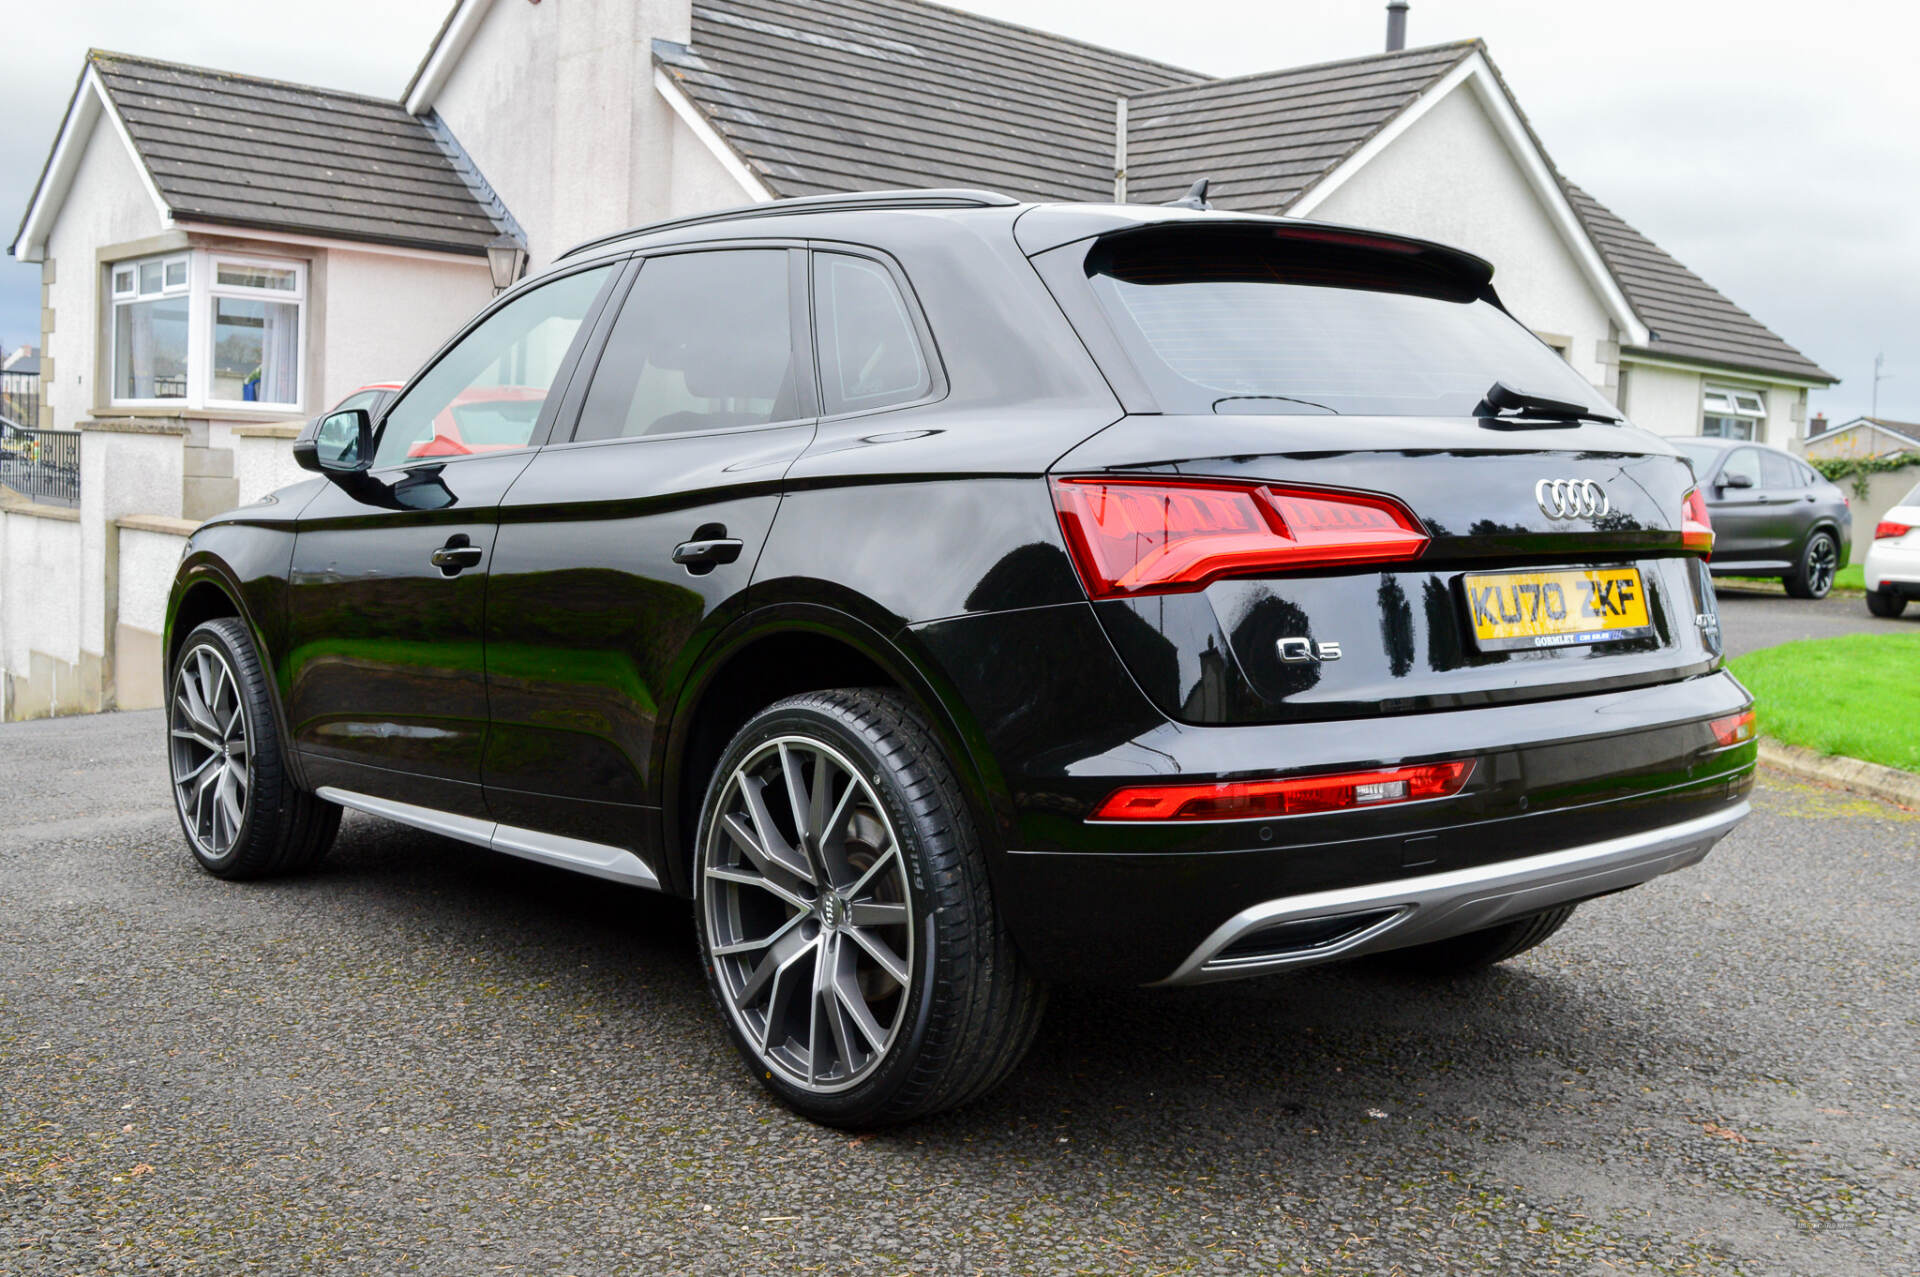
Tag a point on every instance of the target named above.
point(151, 318)
point(1732, 412)
point(208, 329)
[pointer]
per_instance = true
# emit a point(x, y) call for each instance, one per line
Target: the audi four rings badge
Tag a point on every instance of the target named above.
point(1571, 498)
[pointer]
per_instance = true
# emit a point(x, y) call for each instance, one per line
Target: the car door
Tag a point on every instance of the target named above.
point(631, 537)
point(386, 683)
point(1787, 498)
point(1740, 510)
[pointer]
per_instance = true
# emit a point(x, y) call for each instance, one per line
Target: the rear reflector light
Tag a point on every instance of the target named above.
point(1696, 528)
point(1293, 796)
point(1888, 528)
point(1734, 729)
point(1162, 536)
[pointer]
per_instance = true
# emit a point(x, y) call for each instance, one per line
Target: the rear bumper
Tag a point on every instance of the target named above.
point(1895, 566)
point(1060, 726)
point(1391, 915)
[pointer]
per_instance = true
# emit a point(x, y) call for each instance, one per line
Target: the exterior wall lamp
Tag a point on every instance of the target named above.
point(506, 258)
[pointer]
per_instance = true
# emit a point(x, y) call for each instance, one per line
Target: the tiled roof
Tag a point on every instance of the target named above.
point(820, 96)
point(1689, 318)
point(242, 151)
point(1263, 140)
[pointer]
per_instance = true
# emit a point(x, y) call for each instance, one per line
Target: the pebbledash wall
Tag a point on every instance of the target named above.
point(83, 592)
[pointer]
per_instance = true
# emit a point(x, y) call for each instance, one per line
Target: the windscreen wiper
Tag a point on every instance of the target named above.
point(1504, 398)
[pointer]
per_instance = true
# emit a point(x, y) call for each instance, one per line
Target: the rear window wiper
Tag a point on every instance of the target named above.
point(1504, 398)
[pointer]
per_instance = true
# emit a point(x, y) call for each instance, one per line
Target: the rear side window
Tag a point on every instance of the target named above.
point(1777, 471)
point(1254, 322)
point(870, 355)
point(703, 342)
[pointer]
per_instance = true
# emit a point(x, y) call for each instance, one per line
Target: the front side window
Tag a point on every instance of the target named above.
point(1731, 413)
point(703, 342)
point(151, 313)
point(485, 395)
point(869, 353)
point(1744, 463)
point(255, 326)
point(1263, 322)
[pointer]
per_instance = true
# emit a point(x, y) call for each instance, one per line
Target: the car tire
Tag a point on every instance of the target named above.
point(1478, 950)
point(1812, 576)
point(242, 813)
point(1888, 603)
point(895, 969)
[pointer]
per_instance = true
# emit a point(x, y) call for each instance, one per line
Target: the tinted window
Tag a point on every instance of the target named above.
point(486, 394)
point(1744, 461)
point(1701, 455)
point(869, 354)
point(1777, 471)
point(1254, 322)
point(704, 342)
point(359, 399)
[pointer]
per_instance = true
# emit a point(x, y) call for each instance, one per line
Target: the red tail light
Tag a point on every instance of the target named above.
point(1294, 796)
point(1162, 536)
point(1888, 528)
point(1696, 528)
point(1734, 729)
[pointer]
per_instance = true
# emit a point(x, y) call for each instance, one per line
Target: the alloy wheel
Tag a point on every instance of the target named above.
point(804, 893)
point(211, 757)
point(1823, 560)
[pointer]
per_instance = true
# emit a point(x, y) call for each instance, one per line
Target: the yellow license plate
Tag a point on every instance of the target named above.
point(1565, 607)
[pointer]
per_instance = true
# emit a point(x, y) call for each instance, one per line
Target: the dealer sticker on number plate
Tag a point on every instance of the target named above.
point(1562, 608)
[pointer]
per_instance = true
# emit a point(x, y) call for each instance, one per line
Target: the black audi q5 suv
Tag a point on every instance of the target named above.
point(953, 596)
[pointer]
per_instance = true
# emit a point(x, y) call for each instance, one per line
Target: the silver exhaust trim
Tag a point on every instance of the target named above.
point(1434, 907)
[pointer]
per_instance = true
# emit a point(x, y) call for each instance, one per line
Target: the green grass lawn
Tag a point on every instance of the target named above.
point(1851, 577)
point(1857, 695)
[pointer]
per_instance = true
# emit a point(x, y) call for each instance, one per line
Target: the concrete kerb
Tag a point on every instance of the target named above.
point(1871, 780)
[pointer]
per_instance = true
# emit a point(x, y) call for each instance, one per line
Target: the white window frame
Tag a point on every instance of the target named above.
point(214, 289)
point(118, 297)
point(1724, 401)
point(201, 288)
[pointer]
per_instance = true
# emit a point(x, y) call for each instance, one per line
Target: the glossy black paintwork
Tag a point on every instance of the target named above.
point(559, 684)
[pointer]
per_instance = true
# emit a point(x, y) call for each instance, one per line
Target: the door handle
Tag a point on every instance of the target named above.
point(456, 556)
point(708, 553)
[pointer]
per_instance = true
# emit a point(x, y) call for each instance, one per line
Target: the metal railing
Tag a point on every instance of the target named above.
point(41, 465)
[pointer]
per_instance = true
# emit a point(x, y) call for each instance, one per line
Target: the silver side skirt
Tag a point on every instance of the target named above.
point(597, 859)
point(1440, 905)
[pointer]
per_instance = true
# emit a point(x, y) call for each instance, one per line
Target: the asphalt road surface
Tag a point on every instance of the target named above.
point(1751, 619)
point(424, 1058)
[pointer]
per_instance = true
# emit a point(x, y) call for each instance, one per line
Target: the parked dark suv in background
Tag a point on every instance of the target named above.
point(953, 596)
point(1773, 514)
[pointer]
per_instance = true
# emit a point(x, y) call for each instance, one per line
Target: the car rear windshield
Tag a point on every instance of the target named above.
point(1261, 322)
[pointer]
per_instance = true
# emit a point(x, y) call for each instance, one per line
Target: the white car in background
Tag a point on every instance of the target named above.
point(1893, 560)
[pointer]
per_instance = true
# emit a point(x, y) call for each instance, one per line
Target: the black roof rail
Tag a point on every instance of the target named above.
point(848, 202)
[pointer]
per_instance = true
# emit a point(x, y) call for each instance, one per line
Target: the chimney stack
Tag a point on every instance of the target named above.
point(1396, 25)
point(1818, 426)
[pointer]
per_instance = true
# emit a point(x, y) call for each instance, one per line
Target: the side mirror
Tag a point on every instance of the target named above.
point(1735, 481)
point(339, 443)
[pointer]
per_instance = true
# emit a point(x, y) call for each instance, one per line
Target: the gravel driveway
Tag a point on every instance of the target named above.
point(429, 1059)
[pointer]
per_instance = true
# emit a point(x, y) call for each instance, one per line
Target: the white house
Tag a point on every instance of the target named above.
point(221, 253)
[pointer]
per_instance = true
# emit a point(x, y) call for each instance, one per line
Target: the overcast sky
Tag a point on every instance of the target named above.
point(1770, 146)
